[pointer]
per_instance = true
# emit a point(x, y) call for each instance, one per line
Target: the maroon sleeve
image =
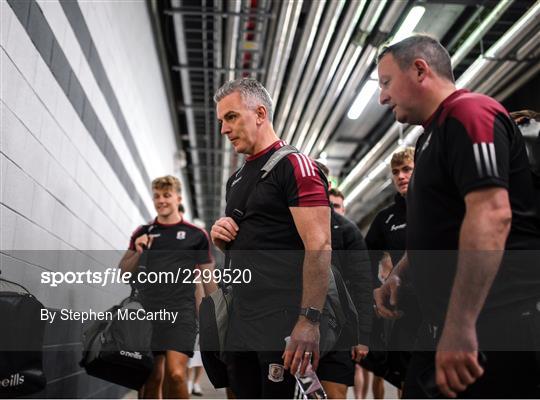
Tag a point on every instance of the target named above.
point(305, 186)
point(477, 132)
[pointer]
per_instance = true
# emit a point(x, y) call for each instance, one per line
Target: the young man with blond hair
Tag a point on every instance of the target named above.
point(172, 245)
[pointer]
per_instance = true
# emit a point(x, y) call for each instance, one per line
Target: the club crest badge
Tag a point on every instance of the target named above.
point(181, 235)
point(275, 372)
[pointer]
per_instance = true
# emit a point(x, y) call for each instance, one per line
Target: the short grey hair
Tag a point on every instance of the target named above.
point(252, 91)
point(424, 47)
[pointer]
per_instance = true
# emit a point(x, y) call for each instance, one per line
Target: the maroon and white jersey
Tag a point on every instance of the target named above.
point(470, 143)
point(268, 242)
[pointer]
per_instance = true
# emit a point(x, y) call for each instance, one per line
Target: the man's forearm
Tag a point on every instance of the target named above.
point(476, 268)
point(315, 277)
point(130, 261)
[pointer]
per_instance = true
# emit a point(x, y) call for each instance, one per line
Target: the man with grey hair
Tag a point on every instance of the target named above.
point(251, 90)
point(278, 228)
point(471, 194)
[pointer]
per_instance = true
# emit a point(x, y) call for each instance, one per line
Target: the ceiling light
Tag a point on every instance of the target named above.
point(408, 25)
point(363, 98)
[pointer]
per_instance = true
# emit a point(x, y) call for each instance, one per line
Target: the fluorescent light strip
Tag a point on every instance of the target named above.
point(370, 87)
point(409, 24)
point(363, 98)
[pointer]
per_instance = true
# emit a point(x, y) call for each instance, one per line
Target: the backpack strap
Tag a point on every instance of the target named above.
point(275, 158)
point(278, 155)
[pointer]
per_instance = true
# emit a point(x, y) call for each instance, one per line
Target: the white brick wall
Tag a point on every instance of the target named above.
point(116, 30)
point(58, 190)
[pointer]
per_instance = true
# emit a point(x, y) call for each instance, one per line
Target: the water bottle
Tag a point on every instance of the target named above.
point(308, 385)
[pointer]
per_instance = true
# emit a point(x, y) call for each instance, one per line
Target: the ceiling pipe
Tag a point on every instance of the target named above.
point(288, 20)
point(465, 27)
point(180, 154)
point(304, 50)
point(282, 63)
point(313, 67)
point(233, 27)
point(345, 68)
point(351, 91)
point(218, 62)
point(479, 32)
point(354, 50)
point(477, 72)
point(186, 94)
point(518, 83)
point(513, 67)
point(504, 45)
point(347, 72)
point(335, 57)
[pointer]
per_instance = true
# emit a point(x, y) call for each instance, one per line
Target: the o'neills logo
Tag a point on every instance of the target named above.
point(14, 380)
point(136, 355)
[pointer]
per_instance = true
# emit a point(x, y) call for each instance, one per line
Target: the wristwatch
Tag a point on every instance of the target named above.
point(312, 314)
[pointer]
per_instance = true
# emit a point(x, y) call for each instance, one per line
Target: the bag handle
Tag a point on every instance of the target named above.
point(14, 283)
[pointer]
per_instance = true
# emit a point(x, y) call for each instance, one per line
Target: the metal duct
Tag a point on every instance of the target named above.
point(302, 55)
point(479, 32)
point(511, 68)
point(516, 33)
point(288, 20)
point(233, 26)
point(316, 58)
point(186, 93)
point(344, 102)
point(334, 59)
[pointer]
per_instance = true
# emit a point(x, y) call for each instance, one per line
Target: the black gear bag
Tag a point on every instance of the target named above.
point(118, 350)
point(21, 335)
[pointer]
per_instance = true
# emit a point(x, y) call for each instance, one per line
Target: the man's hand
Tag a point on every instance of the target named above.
point(456, 361)
point(143, 242)
point(386, 298)
point(358, 352)
point(223, 231)
point(301, 347)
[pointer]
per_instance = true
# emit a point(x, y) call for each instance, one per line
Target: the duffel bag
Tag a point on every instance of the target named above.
point(21, 338)
point(119, 351)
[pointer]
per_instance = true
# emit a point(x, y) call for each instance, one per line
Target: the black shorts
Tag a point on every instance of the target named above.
point(259, 375)
point(338, 367)
point(178, 336)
